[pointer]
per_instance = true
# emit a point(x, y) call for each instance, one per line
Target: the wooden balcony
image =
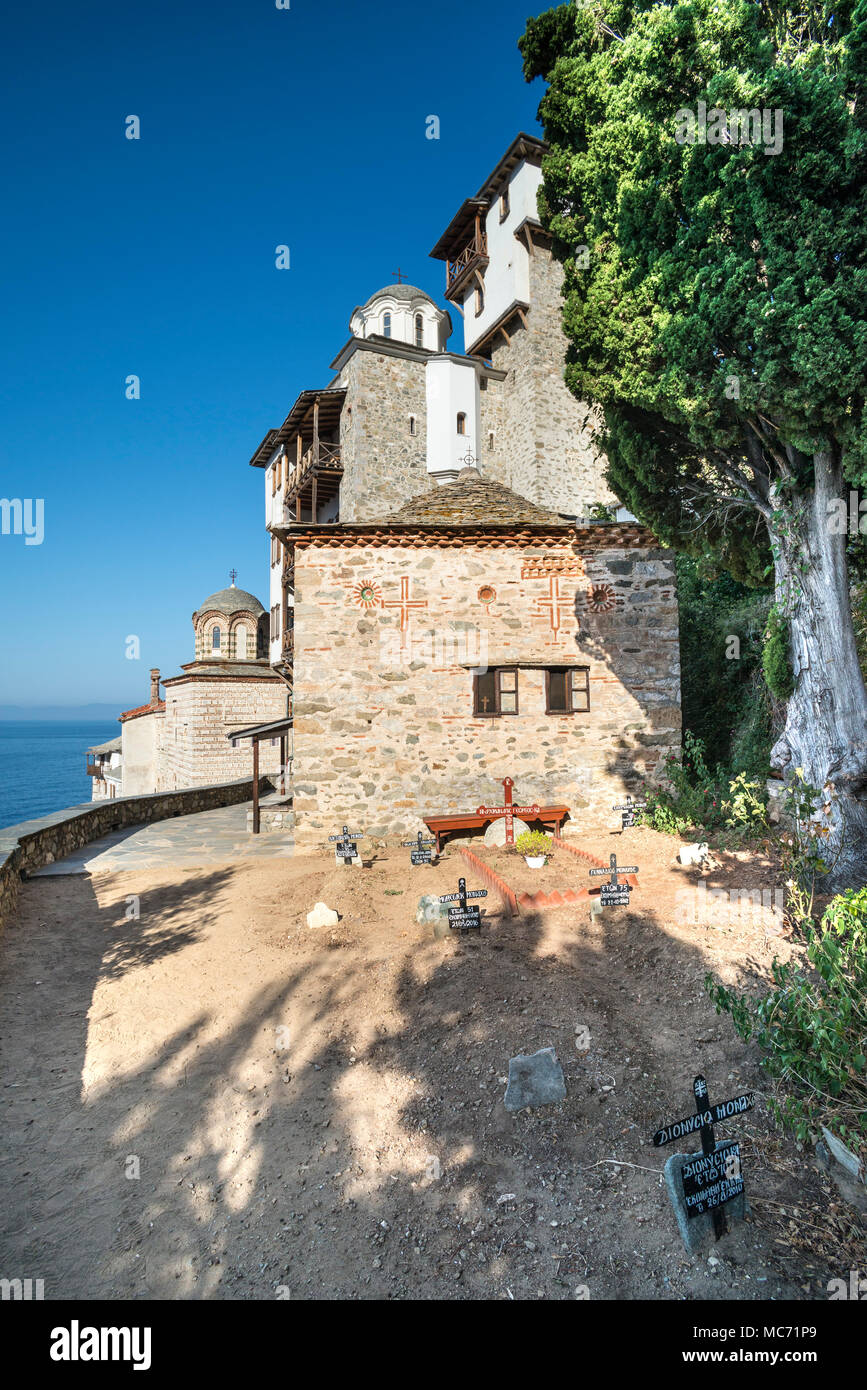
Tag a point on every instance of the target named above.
point(287, 649)
point(314, 479)
point(461, 271)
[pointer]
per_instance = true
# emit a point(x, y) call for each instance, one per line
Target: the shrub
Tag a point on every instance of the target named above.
point(812, 1026)
point(533, 842)
point(775, 656)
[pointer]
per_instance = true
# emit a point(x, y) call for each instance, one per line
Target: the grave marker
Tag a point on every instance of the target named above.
point(628, 809)
point(463, 918)
point(711, 1179)
point(345, 847)
point(614, 893)
point(419, 855)
point(509, 811)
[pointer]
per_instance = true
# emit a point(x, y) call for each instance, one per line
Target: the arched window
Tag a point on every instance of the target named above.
point(215, 639)
point(462, 422)
point(480, 300)
point(413, 425)
point(241, 644)
point(386, 325)
point(490, 440)
point(419, 331)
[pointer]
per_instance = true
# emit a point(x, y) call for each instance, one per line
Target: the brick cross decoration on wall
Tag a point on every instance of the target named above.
point(404, 603)
point(551, 605)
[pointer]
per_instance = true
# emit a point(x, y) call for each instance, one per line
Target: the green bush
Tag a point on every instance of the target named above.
point(776, 665)
point(812, 1027)
point(533, 842)
point(698, 799)
point(724, 699)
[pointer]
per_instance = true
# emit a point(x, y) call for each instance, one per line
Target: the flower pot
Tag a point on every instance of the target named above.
point(535, 861)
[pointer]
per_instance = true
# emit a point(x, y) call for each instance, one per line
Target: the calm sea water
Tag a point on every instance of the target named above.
point(42, 765)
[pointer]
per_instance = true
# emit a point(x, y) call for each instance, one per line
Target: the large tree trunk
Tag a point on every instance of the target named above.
point(826, 721)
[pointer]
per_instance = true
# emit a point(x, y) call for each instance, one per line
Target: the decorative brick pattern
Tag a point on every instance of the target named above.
point(384, 723)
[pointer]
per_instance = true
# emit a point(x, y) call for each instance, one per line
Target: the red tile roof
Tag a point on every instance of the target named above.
point(141, 709)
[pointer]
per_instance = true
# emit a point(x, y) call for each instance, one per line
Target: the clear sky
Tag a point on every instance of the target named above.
point(156, 258)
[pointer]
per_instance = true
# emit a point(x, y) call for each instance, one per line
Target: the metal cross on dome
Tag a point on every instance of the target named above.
point(469, 460)
point(233, 575)
point(400, 275)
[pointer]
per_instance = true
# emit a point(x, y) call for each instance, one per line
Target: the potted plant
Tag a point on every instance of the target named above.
point(534, 845)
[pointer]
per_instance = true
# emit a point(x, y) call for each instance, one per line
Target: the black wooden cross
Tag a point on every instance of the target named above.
point(614, 893)
point(462, 918)
point(704, 1119)
point(627, 819)
point(419, 854)
point(345, 847)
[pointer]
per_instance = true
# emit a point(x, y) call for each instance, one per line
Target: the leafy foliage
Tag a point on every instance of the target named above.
point(697, 799)
point(776, 665)
point(812, 1026)
point(533, 842)
point(723, 700)
point(720, 317)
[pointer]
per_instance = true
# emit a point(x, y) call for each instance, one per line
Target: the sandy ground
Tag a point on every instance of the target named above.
point(210, 1100)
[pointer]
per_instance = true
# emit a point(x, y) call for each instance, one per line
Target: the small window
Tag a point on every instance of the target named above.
point(504, 205)
point(419, 331)
point(490, 441)
point(567, 690)
point(480, 300)
point(216, 638)
point(495, 692)
point(462, 422)
point(386, 325)
point(413, 425)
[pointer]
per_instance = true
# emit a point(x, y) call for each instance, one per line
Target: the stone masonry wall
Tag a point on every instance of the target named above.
point(383, 464)
point(32, 844)
point(200, 713)
point(542, 433)
point(384, 723)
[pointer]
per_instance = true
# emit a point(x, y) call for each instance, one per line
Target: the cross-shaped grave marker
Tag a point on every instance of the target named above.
point(715, 1178)
point(345, 847)
point(462, 918)
point(628, 809)
point(614, 893)
point(508, 810)
point(419, 854)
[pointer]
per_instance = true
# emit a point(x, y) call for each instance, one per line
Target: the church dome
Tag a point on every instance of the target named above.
point(405, 314)
point(399, 292)
point(231, 625)
point(230, 601)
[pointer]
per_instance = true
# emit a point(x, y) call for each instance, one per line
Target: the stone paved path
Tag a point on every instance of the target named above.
point(208, 837)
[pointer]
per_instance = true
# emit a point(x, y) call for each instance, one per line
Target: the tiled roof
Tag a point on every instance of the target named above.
point(142, 709)
point(472, 500)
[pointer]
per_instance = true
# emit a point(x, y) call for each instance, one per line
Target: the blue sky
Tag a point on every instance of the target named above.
point(156, 257)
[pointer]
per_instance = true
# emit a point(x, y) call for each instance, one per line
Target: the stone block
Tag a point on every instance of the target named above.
point(535, 1079)
point(697, 1232)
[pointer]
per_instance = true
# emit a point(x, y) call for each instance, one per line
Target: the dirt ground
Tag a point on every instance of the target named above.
point(211, 1100)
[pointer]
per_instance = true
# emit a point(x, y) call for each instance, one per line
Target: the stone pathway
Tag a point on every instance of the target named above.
point(208, 837)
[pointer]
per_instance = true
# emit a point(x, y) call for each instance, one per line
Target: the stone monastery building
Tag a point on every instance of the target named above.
point(181, 741)
point(442, 607)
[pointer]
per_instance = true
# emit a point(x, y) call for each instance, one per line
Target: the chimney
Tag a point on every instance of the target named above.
point(155, 686)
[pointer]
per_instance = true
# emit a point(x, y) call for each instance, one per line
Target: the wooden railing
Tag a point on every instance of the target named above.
point(477, 250)
point(327, 458)
point(288, 646)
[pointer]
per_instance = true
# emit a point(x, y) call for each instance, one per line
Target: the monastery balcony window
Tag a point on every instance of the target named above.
point(314, 480)
point(460, 271)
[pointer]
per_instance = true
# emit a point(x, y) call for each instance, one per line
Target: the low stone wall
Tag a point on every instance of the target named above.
point(34, 843)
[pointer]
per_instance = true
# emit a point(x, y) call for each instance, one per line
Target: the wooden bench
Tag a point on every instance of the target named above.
point(442, 825)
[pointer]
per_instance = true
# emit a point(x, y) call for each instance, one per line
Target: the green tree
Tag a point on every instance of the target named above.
point(722, 319)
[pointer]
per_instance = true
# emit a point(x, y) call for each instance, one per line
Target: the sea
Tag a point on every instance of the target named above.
point(42, 764)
